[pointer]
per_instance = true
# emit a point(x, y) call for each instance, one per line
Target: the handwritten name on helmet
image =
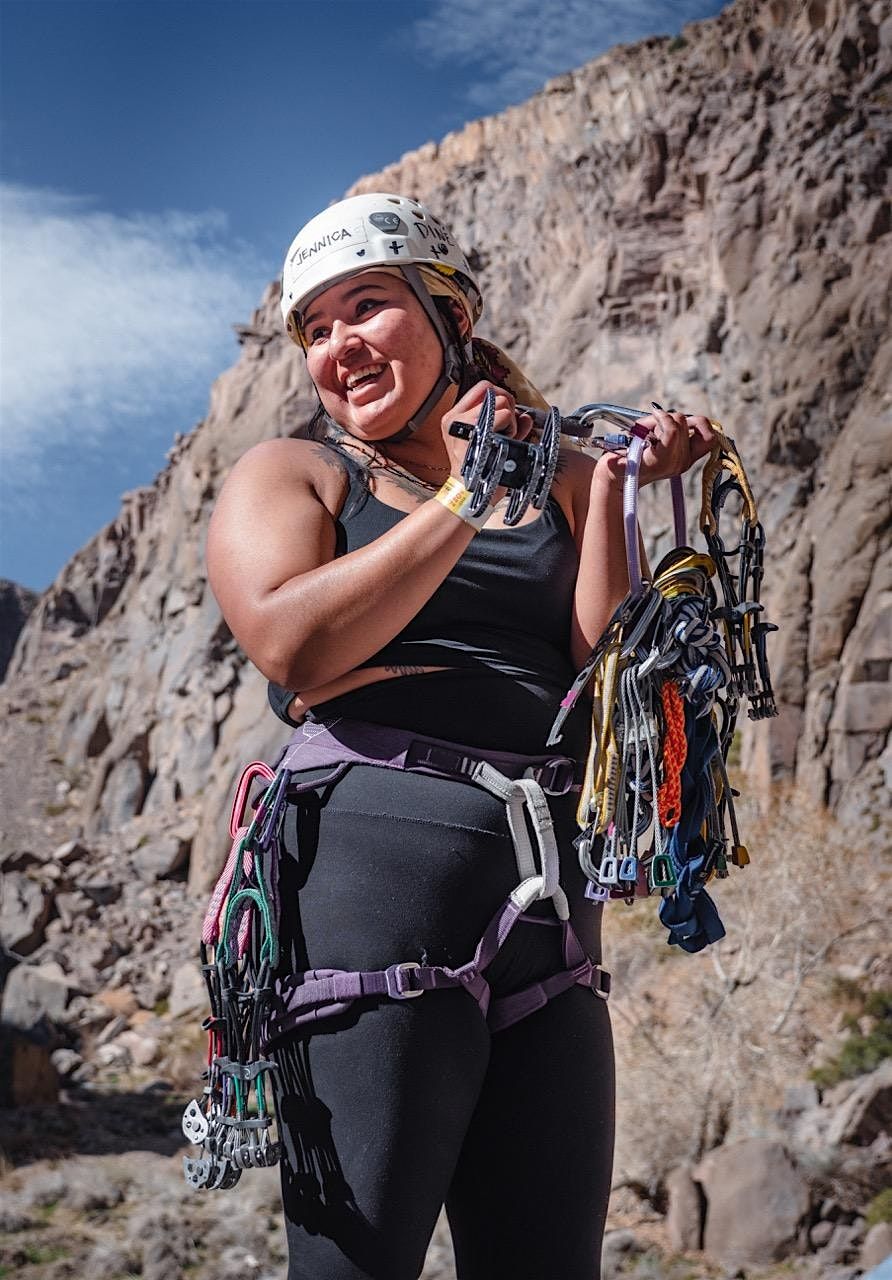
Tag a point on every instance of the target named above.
point(329, 241)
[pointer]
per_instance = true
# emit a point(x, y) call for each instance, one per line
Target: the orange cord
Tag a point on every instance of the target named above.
point(675, 752)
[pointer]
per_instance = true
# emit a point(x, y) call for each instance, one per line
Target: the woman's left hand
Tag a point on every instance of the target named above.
point(675, 443)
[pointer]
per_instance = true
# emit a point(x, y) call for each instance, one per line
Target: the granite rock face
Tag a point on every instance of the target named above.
point(16, 603)
point(703, 221)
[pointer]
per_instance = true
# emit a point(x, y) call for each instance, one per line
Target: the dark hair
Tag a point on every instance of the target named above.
point(323, 431)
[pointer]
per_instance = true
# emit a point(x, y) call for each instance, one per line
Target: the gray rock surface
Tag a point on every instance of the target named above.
point(877, 1246)
point(24, 910)
point(756, 1202)
point(620, 1248)
point(35, 992)
point(866, 1112)
point(188, 992)
point(16, 602)
point(684, 1219)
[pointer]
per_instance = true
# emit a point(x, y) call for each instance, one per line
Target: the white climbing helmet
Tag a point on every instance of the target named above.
point(377, 231)
point(371, 231)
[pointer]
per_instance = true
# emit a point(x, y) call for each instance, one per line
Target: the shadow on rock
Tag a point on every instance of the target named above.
point(88, 1122)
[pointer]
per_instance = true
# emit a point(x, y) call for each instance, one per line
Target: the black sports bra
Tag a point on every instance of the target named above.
point(505, 607)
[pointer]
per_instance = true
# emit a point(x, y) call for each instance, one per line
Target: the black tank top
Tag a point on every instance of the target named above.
point(504, 608)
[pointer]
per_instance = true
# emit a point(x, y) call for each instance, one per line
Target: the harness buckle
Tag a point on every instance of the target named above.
point(398, 984)
point(591, 976)
point(556, 777)
point(599, 982)
point(443, 760)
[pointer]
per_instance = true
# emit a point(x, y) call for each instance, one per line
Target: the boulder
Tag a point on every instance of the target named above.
point(69, 852)
point(188, 993)
point(13, 1217)
point(877, 1246)
point(109, 1261)
point(35, 994)
point(162, 858)
point(684, 1220)
point(820, 1234)
point(120, 1000)
point(66, 1061)
point(72, 905)
point(866, 1112)
point(619, 1248)
point(842, 1247)
point(756, 1202)
point(163, 1240)
point(18, 860)
point(142, 1049)
point(93, 1185)
point(112, 1030)
point(114, 1055)
point(800, 1097)
point(24, 910)
point(42, 1186)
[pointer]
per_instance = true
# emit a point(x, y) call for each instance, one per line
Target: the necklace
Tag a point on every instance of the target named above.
point(376, 461)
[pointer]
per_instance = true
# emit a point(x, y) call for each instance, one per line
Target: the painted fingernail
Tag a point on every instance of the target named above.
point(656, 406)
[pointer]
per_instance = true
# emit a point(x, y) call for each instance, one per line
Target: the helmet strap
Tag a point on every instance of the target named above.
point(452, 359)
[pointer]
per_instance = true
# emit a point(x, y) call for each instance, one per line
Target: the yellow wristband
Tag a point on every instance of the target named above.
point(457, 499)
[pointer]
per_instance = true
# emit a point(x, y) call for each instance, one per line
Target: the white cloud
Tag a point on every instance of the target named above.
point(105, 318)
point(514, 46)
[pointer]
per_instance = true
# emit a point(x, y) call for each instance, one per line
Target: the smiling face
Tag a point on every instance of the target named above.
point(372, 353)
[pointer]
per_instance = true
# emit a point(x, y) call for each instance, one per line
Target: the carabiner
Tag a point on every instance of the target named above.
point(256, 769)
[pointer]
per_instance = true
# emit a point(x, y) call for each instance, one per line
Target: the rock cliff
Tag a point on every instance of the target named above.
point(15, 604)
point(703, 221)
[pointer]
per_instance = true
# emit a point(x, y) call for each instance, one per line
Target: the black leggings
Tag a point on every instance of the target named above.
point(396, 1107)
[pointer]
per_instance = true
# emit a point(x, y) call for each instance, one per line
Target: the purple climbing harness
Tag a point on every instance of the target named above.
point(521, 783)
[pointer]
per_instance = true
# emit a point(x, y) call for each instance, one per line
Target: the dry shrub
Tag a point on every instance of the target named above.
point(707, 1043)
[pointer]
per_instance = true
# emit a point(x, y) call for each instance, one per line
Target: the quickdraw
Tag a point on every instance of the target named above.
point(745, 637)
point(233, 1123)
point(656, 811)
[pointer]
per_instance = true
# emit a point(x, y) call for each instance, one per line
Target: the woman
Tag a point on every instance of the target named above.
point(352, 572)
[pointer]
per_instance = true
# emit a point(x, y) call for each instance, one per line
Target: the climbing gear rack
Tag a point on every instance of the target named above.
point(233, 1122)
point(656, 811)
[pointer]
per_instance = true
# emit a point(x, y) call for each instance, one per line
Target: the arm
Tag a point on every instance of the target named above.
point(603, 578)
point(303, 617)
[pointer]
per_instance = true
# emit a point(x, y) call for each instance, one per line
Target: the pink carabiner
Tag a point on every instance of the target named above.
point(256, 769)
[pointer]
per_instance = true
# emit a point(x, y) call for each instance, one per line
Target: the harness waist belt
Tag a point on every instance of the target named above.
point(342, 741)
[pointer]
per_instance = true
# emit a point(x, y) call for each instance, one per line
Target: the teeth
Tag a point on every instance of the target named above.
point(369, 370)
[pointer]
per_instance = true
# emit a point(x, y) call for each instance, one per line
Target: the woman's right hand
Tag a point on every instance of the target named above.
point(508, 422)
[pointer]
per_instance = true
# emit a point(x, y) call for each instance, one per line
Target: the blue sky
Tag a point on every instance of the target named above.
point(156, 158)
